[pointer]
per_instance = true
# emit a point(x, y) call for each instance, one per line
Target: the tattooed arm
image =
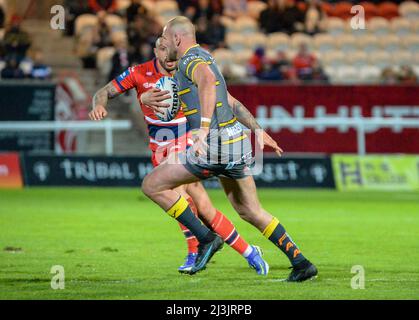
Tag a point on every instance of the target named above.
point(244, 116)
point(100, 101)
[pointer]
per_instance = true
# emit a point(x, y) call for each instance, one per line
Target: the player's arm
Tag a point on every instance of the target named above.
point(244, 116)
point(204, 79)
point(100, 101)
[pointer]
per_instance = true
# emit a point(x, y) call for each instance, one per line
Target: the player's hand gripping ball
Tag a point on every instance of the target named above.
point(169, 113)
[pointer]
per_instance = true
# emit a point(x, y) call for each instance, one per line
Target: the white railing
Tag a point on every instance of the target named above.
point(361, 125)
point(107, 125)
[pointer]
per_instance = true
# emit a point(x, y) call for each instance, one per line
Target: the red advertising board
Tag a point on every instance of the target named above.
point(273, 101)
point(10, 174)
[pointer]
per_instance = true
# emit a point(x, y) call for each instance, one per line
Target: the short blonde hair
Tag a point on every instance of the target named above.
point(182, 25)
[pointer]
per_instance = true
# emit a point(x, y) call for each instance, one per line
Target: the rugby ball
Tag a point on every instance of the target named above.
point(168, 84)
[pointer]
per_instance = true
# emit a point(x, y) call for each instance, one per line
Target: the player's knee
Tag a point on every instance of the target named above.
point(147, 186)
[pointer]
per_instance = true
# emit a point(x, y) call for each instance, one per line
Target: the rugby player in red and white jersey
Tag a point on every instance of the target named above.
point(174, 136)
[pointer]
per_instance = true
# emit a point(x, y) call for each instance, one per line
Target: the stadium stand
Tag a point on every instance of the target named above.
point(19, 57)
point(387, 10)
point(391, 37)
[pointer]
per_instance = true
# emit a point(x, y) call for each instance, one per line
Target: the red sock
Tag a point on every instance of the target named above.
point(225, 229)
point(191, 241)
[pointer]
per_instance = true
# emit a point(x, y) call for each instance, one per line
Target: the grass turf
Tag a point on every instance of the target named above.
point(115, 244)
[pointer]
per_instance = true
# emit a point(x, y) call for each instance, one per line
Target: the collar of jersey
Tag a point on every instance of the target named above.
point(194, 46)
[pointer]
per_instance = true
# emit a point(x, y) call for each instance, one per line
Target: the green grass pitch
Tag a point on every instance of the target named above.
point(116, 244)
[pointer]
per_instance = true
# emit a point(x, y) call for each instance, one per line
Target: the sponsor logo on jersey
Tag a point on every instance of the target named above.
point(125, 74)
point(148, 85)
point(189, 58)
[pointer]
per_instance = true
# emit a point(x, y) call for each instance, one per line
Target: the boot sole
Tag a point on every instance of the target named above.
point(192, 272)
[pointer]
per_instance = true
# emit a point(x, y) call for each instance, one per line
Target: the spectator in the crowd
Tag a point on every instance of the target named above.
point(202, 10)
point(280, 68)
point(318, 74)
point(257, 62)
point(142, 54)
point(202, 32)
point(183, 5)
point(2, 52)
point(120, 59)
point(194, 9)
point(134, 10)
point(217, 6)
point(234, 8)
point(406, 75)
point(269, 18)
point(102, 32)
point(16, 41)
point(12, 70)
point(143, 30)
point(74, 8)
point(109, 6)
point(136, 55)
point(314, 17)
point(40, 70)
point(86, 51)
point(206, 9)
point(155, 31)
point(388, 76)
point(291, 17)
point(89, 42)
point(304, 63)
point(138, 31)
point(188, 8)
point(2, 17)
point(216, 32)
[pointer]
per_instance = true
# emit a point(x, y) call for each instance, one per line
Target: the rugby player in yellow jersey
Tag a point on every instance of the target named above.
point(140, 77)
point(220, 149)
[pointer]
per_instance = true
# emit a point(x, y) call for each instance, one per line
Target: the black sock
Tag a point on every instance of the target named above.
point(276, 233)
point(183, 213)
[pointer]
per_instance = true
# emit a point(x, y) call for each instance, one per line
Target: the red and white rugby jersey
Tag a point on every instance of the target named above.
point(162, 134)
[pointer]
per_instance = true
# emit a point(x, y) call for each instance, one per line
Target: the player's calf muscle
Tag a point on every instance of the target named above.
point(164, 198)
point(203, 203)
point(251, 212)
point(248, 213)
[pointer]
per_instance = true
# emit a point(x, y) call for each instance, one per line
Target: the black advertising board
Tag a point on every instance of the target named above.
point(26, 101)
point(85, 170)
point(296, 172)
point(313, 172)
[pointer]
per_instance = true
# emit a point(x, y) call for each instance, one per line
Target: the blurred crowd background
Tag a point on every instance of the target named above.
point(274, 40)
